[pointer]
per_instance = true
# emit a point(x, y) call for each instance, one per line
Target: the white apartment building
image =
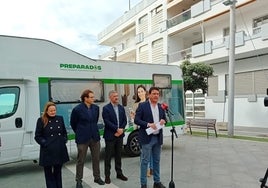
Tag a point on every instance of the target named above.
point(170, 31)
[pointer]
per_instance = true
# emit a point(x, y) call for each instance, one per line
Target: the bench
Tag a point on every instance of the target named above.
point(208, 124)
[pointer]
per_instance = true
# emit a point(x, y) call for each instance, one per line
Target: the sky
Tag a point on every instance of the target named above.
point(74, 24)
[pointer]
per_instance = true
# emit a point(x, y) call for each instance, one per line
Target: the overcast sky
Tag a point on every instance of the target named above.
point(74, 24)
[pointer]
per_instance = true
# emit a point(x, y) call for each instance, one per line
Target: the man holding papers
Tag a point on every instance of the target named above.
point(151, 118)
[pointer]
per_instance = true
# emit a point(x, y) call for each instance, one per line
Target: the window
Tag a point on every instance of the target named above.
point(260, 21)
point(257, 22)
point(139, 38)
point(212, 86)
point(157, 43)
point(157, 10)
point(143, 48)
point(226, 32)
point(248, 83)
point(163, 81)
point(143, 19)
point(9, 98)
point(69, 91)
point(260, 81)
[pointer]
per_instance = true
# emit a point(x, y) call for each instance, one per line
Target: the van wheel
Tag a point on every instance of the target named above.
point(132, 148)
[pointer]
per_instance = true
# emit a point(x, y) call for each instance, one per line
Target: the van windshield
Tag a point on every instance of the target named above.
point(9, 98)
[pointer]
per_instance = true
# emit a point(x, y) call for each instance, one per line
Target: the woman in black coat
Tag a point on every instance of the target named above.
point(51, 135)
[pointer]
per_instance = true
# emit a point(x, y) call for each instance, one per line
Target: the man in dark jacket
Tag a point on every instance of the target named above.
point(115, 121)
point(150, 116)
point(84, 119)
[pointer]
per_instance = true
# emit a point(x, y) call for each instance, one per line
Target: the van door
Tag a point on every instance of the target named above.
point(12, 103)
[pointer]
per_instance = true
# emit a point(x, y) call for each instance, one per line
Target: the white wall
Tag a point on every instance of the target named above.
point(252, 114)
point(249, 114)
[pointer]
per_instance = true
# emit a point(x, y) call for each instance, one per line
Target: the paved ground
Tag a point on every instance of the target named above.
point(198, 163)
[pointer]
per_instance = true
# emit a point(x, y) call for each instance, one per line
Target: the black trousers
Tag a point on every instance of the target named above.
point(53, 176)
point(113, 148)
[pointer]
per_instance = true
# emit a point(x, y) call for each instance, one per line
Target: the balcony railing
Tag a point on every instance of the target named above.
point(180, 55)
point(126, 17)
point(186, 15)
point(241, 38)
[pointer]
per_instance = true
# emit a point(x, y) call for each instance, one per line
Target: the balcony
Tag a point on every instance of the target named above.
point(180, 55)
point(179, 19)
point(117, 24)
point(218, 48)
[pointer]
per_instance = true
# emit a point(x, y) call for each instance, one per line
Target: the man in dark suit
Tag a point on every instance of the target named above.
point(115, 121)
point(84, 119)
point(150, 116)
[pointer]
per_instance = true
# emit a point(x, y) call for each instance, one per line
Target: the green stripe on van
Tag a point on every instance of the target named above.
point(114, 81)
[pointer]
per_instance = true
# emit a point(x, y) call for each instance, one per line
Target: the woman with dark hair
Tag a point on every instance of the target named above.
point(51, 135)
point(141, 96)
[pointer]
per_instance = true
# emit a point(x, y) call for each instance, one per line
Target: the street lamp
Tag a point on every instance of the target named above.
point(231, 3)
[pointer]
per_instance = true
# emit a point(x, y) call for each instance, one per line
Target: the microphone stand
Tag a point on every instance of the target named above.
point(173, 131)
point(264, 180)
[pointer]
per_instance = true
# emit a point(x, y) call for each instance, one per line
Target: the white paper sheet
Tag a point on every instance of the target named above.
point(151, 130)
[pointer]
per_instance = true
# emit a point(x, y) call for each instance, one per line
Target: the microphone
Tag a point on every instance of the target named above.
point(164, 106)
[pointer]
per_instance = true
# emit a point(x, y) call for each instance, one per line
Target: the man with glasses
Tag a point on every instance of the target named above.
point(84, 119)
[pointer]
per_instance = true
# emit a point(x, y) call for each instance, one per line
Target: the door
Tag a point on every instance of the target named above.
point(12, 103)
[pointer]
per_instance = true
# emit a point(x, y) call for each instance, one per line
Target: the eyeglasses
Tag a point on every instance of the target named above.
point(90, 97)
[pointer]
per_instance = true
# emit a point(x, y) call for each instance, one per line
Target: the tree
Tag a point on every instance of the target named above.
point(195, 76)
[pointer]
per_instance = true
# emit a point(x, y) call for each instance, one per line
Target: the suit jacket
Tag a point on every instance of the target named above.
point(144, 116)
point(84, 122)
point(110, 121)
